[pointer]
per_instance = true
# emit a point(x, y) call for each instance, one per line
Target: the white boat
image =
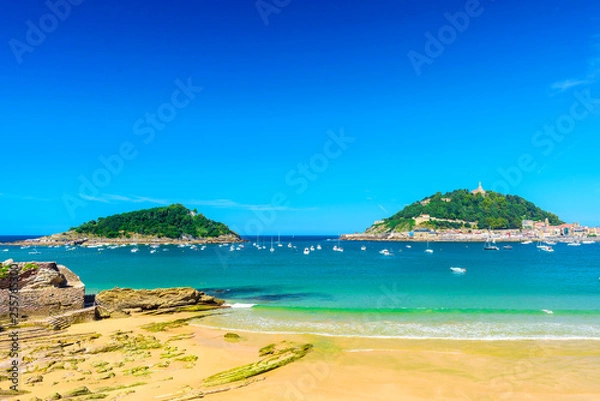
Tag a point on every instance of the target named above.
point(545, 248)
point(153, 251)
point(5, 250)
point(134, 250)
point(289, 244)
point(408, 246)
point(312, 248)
point(306, 251)
point(272, 249)
point(587, 242)
point(490, 246)
point(319, 247)
point(338, 249)
point(526, 242)
point(385, 252)
point(428, 250)
point(550, 242)
point(203, 247)
point(231, 248)
point(363, 248)
point(575, 243)
point(459, 270)
point(279, 240)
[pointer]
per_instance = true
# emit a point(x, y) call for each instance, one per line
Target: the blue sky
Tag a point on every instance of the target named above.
point(302, 117)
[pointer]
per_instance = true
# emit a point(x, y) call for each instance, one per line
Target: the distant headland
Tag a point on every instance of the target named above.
point(464, 215)
point(169, 224)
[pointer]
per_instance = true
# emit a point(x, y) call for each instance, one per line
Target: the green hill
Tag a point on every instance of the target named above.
point(173, 221)
point(463, 209)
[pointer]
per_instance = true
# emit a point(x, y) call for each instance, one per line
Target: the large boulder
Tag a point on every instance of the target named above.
point(124, 299)
point(36, 275)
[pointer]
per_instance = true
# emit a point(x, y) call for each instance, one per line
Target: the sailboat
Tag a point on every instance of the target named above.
point(279, 240)
point(272, 249)
point(35, 251)
point(337, 247)
point(428, 250)
point(490, 246)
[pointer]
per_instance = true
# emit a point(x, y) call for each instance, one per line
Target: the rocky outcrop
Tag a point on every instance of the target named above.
point(127, 299)
point(44, 288)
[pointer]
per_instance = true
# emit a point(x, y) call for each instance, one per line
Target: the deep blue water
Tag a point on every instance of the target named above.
point(503, 294)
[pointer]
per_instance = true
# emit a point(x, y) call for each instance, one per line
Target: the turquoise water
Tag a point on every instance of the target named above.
point(521, 293)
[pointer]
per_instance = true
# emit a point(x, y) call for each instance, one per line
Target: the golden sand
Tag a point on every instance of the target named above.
point(337, 368)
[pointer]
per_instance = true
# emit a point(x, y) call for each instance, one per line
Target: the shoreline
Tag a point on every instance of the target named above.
point(335, 368)
point(122, 241)
point(481, 239)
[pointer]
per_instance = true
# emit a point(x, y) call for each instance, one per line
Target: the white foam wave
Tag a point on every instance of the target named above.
point(240, 305)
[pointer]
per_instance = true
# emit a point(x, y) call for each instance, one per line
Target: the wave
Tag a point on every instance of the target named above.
point(415, 323)
point(240, 306)
point(547, 337)
point(424, 310)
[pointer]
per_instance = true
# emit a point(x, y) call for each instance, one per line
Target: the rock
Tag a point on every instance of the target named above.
point(46, 277)
point(102, 312)
point(124, 299)
point(53, 397)
point(233, 337)
point(78, 391)
point(8, 262)
point(34, 379)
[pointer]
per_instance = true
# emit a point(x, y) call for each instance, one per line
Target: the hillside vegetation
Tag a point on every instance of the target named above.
point(173, 221)
point(466, 210)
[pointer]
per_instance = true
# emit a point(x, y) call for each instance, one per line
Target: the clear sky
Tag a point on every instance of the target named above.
point(298, 116)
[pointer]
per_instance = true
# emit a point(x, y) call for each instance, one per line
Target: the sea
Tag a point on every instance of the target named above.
point(522, 293)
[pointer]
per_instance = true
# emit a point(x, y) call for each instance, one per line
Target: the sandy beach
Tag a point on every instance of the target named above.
point(337, 368)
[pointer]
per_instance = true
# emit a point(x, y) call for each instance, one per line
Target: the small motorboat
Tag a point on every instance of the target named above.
point(458, 270)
